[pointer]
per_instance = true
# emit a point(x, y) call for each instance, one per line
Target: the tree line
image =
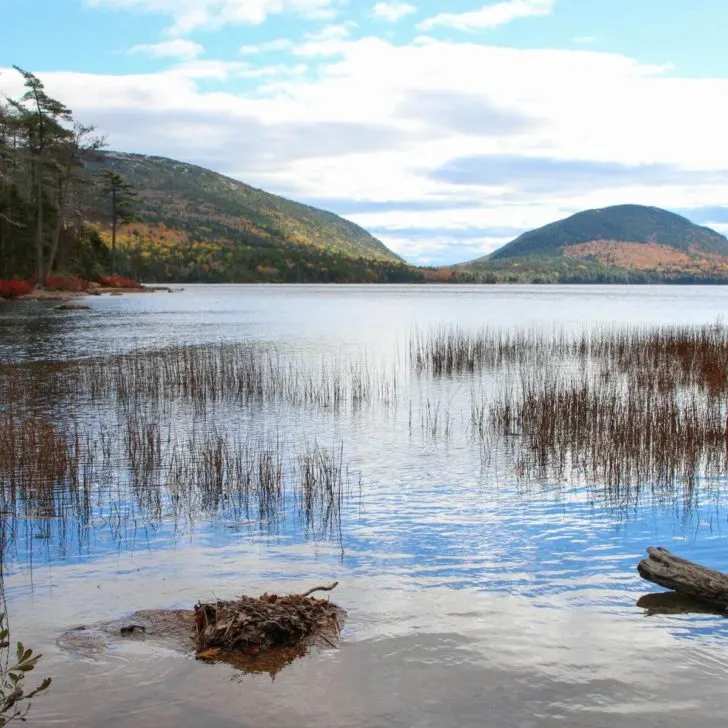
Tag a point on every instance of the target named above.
point(49, 193)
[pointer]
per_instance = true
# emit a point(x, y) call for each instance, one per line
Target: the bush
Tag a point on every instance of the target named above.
point(66, 283)
point(14, 701)
point(116, 281)
point(14, 288)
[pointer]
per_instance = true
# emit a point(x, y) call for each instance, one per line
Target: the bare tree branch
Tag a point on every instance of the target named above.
point(6, 219)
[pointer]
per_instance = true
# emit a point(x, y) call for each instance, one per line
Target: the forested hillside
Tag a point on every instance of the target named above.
point(68, 207)
point(195, 224)
point(618, 244)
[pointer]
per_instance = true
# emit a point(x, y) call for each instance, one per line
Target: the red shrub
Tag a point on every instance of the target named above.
point(14, 288)
point(117, 282)
point(66, 283)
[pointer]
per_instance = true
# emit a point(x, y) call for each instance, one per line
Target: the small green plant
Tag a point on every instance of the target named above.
point(14, 701)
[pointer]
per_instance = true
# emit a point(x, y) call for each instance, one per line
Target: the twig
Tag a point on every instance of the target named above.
point(320, 588)
point(326, 639)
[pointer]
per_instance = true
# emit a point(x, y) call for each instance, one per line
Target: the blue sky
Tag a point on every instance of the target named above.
point(444, 128)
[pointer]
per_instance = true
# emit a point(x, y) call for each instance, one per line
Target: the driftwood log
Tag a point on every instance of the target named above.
point(664, 568)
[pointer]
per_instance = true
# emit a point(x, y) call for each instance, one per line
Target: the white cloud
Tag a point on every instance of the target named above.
point(281, 44)
point(279, 69)
point(438, 249)
point(328, 41)
point(189, 15)
point(584, 39)
point(185, 50)
point(358, 129)
point(219, 70)
point(330, 32)
point(392, 10)
point(490, 16)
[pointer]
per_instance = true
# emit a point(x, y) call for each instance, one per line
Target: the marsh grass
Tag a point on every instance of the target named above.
point(664, 356)
point(623, 408)
point(243, 373)
point(133, 440)
point(173, 435)
point(142, 474)
point(324, 482)
point(454, 350)
point(622, 436)
point(34, 452)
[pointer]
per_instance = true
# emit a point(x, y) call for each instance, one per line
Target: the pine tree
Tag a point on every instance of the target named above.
point(123, 203)
point(42, 119)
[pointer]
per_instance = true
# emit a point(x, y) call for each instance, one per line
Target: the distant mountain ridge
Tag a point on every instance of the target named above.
point(196, 193)
point(620, 223)
point(196, 224)
point(630, 243)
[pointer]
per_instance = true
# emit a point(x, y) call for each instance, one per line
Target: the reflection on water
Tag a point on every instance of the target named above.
point(412, 648)
point(476, 595)
point(676, 603)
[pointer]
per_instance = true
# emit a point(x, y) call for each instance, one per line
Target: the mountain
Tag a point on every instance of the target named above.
point(629, 243)
point(195, 224)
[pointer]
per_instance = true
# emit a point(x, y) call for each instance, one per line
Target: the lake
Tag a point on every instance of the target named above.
point(475, 595)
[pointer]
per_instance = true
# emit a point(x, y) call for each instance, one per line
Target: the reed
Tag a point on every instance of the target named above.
point(55, 477)
point(667, 357)
point(245, 373)
point(324, 480)
point(454, 350)
point(623, 431)
point(174, 433)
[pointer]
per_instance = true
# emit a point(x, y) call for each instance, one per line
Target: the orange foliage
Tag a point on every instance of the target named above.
point(646, 256)
point(117, 282)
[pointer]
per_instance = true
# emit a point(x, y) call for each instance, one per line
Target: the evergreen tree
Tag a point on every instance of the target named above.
point(41, 119)
point(123, 203)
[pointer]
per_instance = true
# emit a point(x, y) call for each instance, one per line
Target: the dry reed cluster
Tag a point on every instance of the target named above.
point(136, 438)
point(237, 373)
point(620, 407)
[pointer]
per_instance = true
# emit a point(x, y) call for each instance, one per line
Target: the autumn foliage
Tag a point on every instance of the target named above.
point(66, 283)
point(117, 281)
point(649, 256)
point(14, 288)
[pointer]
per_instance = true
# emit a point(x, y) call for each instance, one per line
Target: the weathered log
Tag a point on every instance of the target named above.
point(664, 568)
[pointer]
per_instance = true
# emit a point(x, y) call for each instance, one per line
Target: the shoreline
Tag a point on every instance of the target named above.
point(50, 295)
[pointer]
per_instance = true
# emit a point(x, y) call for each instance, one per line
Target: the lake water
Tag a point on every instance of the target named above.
point(474, 599)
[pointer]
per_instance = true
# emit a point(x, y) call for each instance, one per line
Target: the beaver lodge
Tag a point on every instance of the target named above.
point(254, 625)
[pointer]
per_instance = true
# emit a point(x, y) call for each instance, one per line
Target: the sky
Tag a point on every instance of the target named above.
point(445, 129)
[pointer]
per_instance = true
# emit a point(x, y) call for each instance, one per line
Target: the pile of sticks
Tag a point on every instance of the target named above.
point(254, 624)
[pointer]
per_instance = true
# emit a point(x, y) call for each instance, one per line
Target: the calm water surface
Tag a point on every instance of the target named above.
point(474, 599)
